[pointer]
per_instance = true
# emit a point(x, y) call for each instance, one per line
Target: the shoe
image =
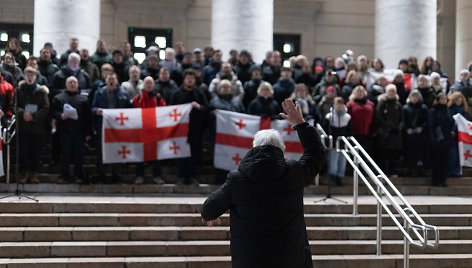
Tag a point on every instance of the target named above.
point(78, 180)
point(158, 180)
point(139, 180)
point(180, 181)
point(191, 181)
point(338, 181)
point(33, 177)
point(24, 178)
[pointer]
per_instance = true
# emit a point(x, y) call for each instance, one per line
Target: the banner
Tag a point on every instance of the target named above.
point(137, 135)
point(465, 140)
point(235, 133)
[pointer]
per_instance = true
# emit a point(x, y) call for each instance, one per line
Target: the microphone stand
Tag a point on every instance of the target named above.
point(17, 173)
point(329, 195)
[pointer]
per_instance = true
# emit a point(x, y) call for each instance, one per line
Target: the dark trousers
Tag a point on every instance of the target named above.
point(386, 160)
point(187, 166)
point(439, 165)
point(102, 167)
point(30, 145)
point(72, 151)
point(156, 169)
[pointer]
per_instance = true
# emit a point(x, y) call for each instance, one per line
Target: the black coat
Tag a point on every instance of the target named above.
point(440, 125)
point(121, 71)
point(198, 118)
point(264, 107)
point(416, 133)
point(265, 199)
point(60, 77)
point(47, 69)
point(250, 90)
point(83, 124)
point(243, 71)
point(271, 73)
point(166, 89)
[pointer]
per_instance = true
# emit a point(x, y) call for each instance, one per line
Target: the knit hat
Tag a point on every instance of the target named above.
point(331, 88)
point(398, 72)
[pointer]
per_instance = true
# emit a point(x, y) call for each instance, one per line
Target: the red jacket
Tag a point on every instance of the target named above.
point(6, 97)
point(362, 117)
point(148, 100)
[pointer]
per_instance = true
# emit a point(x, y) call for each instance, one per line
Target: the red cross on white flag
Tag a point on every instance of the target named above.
point(235, 133)
point(465, 140)
point(137, 135)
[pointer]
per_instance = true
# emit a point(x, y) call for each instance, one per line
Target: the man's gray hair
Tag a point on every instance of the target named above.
point(268, 137)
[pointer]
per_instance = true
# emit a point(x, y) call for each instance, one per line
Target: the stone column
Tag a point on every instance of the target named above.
point(463, 36)
point(405, 28)
point(243, 24)
point(57, 21)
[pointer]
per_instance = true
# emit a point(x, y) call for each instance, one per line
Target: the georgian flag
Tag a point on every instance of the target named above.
point(465, 140)
point(145, 134)
point(235, 133)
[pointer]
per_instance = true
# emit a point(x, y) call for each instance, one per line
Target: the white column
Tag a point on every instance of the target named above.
point(405, 28)
point(57, 21)
point(463, 35)
point(243, 24)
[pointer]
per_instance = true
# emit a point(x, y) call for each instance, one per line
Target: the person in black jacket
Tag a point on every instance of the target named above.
point(439, 127)
point(243, 67)
point(120, 66)
point(45, 65)
point(189, 93)
point(72, 68)
point(265, 199)
point(73, 131)
point(415, 114)
point(164, 85)
point(251, 86)
point(264, 104)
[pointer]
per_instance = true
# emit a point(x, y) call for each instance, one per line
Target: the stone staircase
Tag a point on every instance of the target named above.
point(151, 230)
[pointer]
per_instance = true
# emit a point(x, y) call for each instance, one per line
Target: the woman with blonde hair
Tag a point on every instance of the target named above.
point(301, 94)
point(264, 104)
point(352, 81)
point(415, 113)
point(457, 105)
point(427, 92)
point(362, 113)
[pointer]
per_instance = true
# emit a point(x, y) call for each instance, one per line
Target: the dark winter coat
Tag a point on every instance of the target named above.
point(198, 118)
point(65, 57)
point(402, 92)
point(416, 132)
point(250, 90)
point(47, 69)
point(35, 95)
point(374, 92)
point(390, 118)
point(60, 77)
point(271, 73)
point(226, 102)
point(308, 79)
point(347, 90)
point(283, 89)
point(121, 71)
point(439, 127)
point(92, 70)
point(265, 199)
point(320, 89)
point(166, 89)
point(154, 73)
point(264, 107)
point(428, 95)
point(243, 71)
point(100, 100)
point(83, 124)
point(210, 71)
point(101, 58)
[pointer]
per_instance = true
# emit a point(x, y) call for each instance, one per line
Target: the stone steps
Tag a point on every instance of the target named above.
point(332, 261)
point(206, 248)
point(204, 189)
point(194, 219)
point(191, 233)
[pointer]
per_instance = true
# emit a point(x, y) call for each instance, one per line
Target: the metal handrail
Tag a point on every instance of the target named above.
point(361, 163)
point(8, 133)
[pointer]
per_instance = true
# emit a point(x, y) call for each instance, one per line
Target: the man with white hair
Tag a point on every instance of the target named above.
point(72, 68)
point(463, 85)
point(265, 198)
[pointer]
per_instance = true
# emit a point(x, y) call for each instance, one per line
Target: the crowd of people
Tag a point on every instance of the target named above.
point(393, 120)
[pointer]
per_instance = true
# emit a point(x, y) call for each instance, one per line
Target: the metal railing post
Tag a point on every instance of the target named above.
point(379, 220)
point(406, 247)
point(355, 190)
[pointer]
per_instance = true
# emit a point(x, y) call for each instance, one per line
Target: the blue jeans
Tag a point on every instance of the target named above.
point(336, 163)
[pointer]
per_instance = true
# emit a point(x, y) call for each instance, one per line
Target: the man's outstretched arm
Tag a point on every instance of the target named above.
point(217, 203)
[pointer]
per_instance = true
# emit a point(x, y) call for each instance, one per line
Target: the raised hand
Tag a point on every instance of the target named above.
point(292, 112)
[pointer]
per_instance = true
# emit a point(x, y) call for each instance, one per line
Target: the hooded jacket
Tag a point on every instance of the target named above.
point(37, 96)
point(265, 199)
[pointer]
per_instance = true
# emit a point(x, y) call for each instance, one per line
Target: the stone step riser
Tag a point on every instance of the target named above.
point(195, 220)
point(125, 249)
point(191, 235)
point(309, 208)
point(225, 262)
